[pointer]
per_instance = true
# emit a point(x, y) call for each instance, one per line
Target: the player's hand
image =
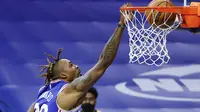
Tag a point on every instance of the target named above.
point(130, 15)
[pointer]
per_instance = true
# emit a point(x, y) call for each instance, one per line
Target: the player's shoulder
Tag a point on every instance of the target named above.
point(98, 111)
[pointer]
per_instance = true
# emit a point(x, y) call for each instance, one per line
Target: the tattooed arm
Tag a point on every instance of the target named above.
point(106, 58)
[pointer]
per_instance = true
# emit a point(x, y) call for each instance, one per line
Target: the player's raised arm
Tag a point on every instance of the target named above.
point(106, 58)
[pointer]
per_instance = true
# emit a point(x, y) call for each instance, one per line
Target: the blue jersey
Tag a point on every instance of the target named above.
point(46, 100)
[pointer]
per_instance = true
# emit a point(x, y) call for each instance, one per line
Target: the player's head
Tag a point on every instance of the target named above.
point(89, 102)
point(60, 69)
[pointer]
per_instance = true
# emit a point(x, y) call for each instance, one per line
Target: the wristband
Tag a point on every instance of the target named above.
point(121, 25)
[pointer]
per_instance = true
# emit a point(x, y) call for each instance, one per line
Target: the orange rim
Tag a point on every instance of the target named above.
point(190, 14)
point(174, 9)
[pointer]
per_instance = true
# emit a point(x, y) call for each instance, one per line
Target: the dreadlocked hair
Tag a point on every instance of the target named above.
point(50, 67)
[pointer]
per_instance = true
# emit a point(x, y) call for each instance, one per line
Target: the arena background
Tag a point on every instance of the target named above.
point(28, 28)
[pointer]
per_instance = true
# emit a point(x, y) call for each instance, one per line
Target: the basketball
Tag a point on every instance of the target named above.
point(160, 17)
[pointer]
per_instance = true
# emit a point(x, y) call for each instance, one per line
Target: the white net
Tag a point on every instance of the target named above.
point(148, 41)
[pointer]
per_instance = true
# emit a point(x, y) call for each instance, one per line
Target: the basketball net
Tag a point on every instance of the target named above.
point(147, 42)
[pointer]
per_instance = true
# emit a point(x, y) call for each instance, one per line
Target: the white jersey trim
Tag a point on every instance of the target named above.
point(62, 110)
point(40, 89)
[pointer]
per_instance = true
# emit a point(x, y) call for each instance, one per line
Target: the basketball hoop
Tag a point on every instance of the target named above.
point(147, 42)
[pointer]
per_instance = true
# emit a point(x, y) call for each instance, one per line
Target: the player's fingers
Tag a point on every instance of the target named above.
point(130, 5)
point(124, 5)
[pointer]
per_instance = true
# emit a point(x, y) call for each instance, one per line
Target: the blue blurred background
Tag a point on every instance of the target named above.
point(28, 28)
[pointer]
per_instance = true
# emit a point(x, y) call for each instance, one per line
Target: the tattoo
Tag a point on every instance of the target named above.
point(86, 79)
point(111, 48)
point(79, 83)
point(84, 82)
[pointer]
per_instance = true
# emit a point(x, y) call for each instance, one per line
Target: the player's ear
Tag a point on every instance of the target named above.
point(63, 75)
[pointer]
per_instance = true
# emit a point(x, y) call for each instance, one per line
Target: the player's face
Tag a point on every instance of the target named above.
point(71, 69)
point(90, 98)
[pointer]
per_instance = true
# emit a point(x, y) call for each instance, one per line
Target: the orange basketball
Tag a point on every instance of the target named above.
point(160, 17)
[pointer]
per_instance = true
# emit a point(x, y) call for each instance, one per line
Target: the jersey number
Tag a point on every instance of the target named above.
point(44, 108)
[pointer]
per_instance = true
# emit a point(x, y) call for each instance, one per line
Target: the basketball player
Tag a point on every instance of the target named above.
point(65, 88)
point(90, 100)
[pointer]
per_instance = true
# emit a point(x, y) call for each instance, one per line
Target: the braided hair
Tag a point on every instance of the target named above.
point(50, 74)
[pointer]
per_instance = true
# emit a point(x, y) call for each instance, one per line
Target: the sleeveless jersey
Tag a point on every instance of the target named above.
point(46, 100)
